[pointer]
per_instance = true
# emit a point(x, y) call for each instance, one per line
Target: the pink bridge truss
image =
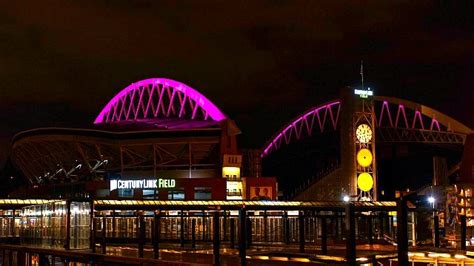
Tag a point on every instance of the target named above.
point(158, 98)
point(397, 120)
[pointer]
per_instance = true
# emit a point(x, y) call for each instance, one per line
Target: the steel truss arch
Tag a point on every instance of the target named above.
point(397, 120)
point(158, 98)
point(324, 117)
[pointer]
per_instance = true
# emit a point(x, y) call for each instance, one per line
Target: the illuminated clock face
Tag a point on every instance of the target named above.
point(364, 133)
point(364, 157)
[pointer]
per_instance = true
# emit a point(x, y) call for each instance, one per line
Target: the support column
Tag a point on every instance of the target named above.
point(141, 235)
point(42, 261)
point(12, 224)
point(193, 233)
point(463, 232)
point(402, 231)
point(436, 231)
point(224, 228)
point(243, 236)
point(104, 240)
point(181, 237)
point(216, 239)
point(114, 224)
point(286, 228)
point(92, 227)
point(67, 245)
point(265, 226)
point(156, 236)
point(350, 235)
point(324, 236)
point(336, 230)
point(301, 231)
point(249, 232)
point(381, 224)
point(370, 230)
point(21, 258)
point(232, 232)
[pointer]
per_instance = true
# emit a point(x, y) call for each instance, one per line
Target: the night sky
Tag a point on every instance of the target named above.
point(261, 62)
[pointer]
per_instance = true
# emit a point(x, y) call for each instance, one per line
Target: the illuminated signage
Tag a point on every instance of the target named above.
point(364, 93)
point(142, 184)
point(166, 183)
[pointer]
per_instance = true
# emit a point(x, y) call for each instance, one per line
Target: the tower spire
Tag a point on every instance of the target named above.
point(362, 73)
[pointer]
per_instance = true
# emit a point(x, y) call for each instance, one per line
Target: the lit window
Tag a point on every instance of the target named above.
point(125, 193)
point(202, 193)
point(231, 172)
point(150, 194)
point(176, 194)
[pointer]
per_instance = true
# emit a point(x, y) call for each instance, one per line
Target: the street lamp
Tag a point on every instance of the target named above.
point(431, 200)
point(346, 198)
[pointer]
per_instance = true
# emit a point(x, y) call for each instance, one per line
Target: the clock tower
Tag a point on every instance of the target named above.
point(364, 141)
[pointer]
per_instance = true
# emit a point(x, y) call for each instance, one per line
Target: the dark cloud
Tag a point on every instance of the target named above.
point(262, 62)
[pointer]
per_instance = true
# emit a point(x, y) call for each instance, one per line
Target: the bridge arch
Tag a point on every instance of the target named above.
point(397, 120)
point(158, 98)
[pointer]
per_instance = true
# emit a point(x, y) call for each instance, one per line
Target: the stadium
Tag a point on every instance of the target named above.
point(156, 139)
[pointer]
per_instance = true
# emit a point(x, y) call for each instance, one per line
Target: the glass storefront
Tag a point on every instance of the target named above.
point(10, 221)
point(46, 225)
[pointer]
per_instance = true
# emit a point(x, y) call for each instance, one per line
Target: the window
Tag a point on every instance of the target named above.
point(125, 193)
point(176, 194)
point(150, 194)
point(102, 193)
point(202, 193)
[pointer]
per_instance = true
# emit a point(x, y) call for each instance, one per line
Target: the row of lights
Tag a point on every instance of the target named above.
point(431, 199)
point(436, 255)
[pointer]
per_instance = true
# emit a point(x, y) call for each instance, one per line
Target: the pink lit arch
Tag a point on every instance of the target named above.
point(397, 120)
point(158, 98)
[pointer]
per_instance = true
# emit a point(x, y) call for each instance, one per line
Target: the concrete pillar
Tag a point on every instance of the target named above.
point(104, 240)
point(436, 231)
point(243, 236)
point(193, 233)
point(67, 245)
point(402, 231)
point(232, 233)
point(301, 231)
point(370, 230)
point(463, 232)
point(141, 235)
point(249, 231)
point(324, 236)
point(181, 231)
point(156, 236)
point(216, 239)
point(350, 235)
point(286, 228)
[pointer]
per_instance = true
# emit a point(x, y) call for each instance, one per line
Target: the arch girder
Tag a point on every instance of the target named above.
point(327, 116)
point(397, 120)
point(158, 98)
point(421, 116)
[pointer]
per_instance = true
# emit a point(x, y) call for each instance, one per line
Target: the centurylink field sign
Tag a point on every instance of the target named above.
point(142, 183)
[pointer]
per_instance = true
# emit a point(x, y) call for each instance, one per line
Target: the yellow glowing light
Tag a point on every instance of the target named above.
point(365, 182)
point(416, 254)
point(280, 258)
point(364, 157)
point(445, 255)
